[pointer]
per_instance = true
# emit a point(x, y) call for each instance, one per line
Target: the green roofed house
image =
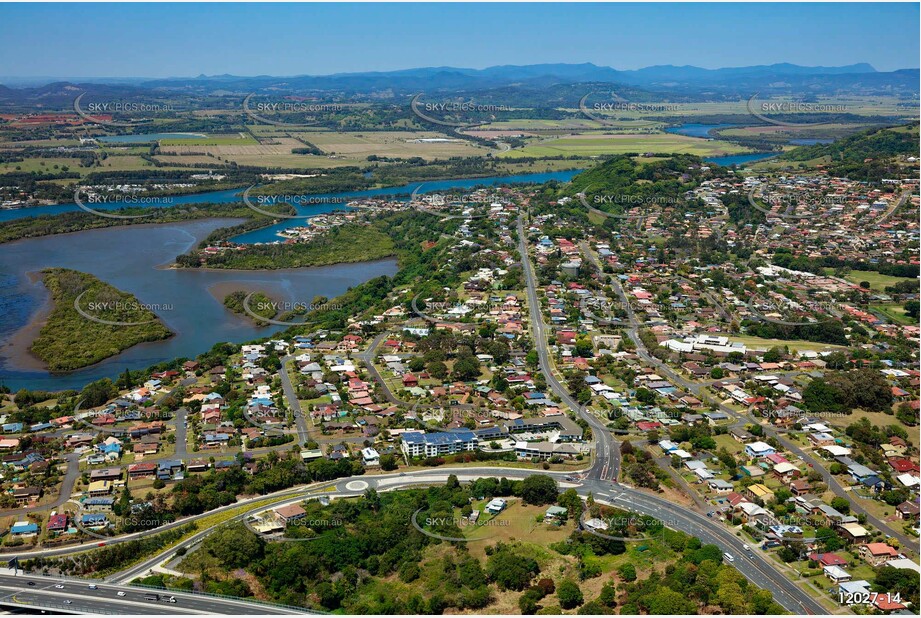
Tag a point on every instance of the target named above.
point(555, 512)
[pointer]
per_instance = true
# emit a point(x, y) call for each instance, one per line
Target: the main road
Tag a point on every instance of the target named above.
point(769, 430)
point(607, 451)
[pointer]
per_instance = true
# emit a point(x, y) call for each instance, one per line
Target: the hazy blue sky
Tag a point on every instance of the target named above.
point(158, 40)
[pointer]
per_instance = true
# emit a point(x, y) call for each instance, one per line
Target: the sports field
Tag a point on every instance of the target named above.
point(877, 281)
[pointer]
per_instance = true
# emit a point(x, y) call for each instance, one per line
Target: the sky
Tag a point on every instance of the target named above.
point(183, 40)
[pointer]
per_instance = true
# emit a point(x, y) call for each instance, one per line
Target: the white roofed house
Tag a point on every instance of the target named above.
point(836, 574)
point(496, 506)
point(370, 457)
point(759, 449)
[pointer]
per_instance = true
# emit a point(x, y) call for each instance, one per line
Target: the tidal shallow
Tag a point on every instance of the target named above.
point(136, 259)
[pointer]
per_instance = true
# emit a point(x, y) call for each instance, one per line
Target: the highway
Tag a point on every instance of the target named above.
point(75, 596)
point(756, 567)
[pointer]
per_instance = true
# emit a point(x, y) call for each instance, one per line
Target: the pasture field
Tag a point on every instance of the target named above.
point(393, 144)
point(549, 165)
point(568, 125)
point(591, 144)
point(859, 106)
point(38, 143)
point(222, 139)
point(304, 162)
point(112, 163)
point(773, 130)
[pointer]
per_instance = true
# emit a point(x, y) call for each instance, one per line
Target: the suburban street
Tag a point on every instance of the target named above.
point(293, 403)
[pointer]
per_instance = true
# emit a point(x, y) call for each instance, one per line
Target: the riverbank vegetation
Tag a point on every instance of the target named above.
point(64, 223)
point(258, 304)
point(70, 340)
point(343, 244)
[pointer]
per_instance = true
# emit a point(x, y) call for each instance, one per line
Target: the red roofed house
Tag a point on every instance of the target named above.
point(141, 470)
point(903, 465)
point(877, 554)
point(828, 559)
point(884, 602)
point(57, 523)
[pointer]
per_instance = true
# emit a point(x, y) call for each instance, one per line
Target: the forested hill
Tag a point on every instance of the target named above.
point(869, 155)
point(634, 180)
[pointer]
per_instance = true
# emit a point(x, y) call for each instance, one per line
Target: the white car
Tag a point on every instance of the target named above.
point(67, 601)
point(746, 548)
point(121, 593)
point(59, 586)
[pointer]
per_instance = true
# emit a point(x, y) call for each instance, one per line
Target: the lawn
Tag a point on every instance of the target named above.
point(728, 442)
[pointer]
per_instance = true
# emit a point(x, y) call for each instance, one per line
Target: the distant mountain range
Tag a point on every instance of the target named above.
point(662, 81)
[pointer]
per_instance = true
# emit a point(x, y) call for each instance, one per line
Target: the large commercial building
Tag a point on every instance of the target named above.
point(419, 444)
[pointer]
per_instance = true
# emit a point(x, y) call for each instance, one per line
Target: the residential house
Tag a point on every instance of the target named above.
point(877, 554)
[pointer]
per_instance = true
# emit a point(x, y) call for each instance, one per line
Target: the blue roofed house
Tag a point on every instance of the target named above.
point(167, 468)
point(94, 520)
point(24, 528)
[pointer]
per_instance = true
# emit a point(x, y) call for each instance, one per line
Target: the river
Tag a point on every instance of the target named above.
point(133, 259)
